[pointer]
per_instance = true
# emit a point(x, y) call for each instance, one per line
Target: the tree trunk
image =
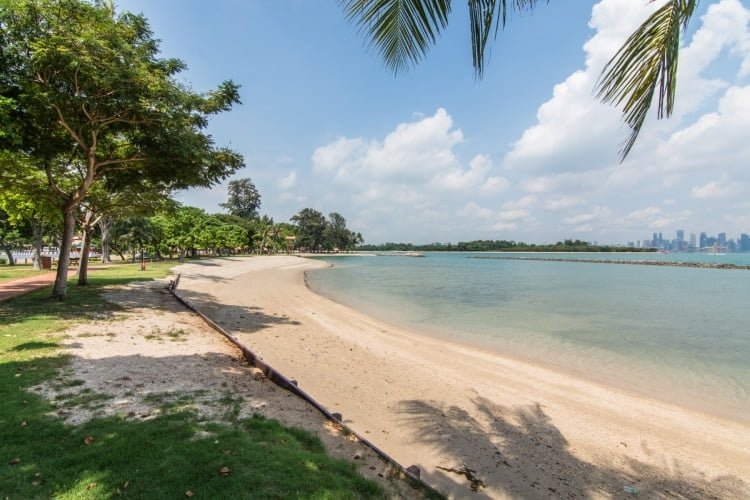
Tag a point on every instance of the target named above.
point(11, 261)
point(61, 280)
point(83, 264)
point(181, 255)
point(104, 227)
point(37, 230)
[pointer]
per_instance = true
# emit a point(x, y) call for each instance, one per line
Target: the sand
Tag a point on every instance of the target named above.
point(155, 355)
point(524, 430)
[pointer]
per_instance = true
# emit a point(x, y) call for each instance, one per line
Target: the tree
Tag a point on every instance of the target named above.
point(403, 31)
point(244, 199)
point(311, 225)
point(337, 236)
point(89, 100)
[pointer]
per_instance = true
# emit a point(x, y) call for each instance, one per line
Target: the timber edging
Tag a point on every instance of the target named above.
point(412, 472)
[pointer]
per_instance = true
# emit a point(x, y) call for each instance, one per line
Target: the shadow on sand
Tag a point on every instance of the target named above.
point(518, 452)
point(240, 319)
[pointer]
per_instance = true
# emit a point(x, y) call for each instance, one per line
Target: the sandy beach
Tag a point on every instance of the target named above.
point(463, 414)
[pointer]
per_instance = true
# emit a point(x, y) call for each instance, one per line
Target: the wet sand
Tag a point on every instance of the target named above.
point(524, 430)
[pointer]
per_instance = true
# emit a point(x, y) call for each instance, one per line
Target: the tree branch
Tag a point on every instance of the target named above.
point(69, 129)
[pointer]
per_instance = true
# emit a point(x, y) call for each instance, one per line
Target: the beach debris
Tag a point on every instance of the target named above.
point(337, 416)
point(630, 489)
point(414, 471)
point(470, 474)
point(257, 373)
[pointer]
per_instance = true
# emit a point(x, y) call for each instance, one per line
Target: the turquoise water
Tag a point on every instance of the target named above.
point(675, 334)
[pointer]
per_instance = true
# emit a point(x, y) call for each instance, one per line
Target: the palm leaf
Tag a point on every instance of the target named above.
point(401, 30)
point(486, 16)
point(647, 60)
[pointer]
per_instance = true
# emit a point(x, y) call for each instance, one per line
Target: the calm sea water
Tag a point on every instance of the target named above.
point(675, 334)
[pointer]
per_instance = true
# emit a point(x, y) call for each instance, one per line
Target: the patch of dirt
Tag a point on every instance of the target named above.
point(154, 356)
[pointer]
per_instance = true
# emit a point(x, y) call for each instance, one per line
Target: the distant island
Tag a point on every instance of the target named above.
point(501, 246)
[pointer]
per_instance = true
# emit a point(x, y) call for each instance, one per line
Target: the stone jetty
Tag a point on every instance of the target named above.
point(632, 262)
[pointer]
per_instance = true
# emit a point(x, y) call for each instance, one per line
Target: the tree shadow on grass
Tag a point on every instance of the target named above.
point(30, 346)
point(518, 452)
point(41, 457)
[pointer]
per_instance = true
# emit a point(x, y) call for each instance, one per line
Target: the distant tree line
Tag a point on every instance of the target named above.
point(568, 245)
point(164, 228)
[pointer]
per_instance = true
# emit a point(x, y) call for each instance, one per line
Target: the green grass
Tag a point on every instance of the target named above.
point(159, 458)
point(9, 273)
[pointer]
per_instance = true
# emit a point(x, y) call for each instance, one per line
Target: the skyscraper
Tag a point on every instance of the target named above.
point(680, 235)
point(704, 240)
point(744, 243)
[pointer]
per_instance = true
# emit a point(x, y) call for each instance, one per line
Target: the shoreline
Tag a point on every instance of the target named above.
point(526, 430)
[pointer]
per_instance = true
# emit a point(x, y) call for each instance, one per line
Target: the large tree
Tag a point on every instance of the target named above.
point(88, 99)
point(244, 199)
point(311, 226)
point(403, 31)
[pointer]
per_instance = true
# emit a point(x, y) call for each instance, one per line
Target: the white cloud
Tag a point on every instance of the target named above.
point(717, 189)
point(562, 203)
point(473, 210)
point(288, 181)
point(524, 202)
point(596, 213)
point(574, 132)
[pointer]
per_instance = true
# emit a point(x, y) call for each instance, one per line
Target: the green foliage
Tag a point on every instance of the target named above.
point(244, 199)
point(174, 454)
point(499, 246)
point(311, 226)
point(77, 74)
point(647, 59)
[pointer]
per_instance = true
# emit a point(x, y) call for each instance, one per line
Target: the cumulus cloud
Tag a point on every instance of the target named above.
point(421, 180)
point(418, 156)
point(574, 132)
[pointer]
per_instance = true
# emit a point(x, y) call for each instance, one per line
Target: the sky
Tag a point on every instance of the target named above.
point(525, 154)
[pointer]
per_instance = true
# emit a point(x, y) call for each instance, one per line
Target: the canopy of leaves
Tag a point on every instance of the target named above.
point(244, 199)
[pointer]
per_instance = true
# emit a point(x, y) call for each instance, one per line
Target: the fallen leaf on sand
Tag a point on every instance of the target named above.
point(224, 471)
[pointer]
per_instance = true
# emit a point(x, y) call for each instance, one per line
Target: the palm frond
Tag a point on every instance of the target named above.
point(647, 60)
point(402, 31)
point(486, 16)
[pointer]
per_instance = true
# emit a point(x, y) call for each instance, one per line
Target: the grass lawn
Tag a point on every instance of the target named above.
point(166, 457)
point(8, 273)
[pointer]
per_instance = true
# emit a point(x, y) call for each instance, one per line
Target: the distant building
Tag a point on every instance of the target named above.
point(692, 240)
point(744, 243)
point(703, 240)
point(680, 235)
point(722, 239)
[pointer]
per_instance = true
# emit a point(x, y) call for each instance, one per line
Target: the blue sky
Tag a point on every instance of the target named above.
point(433, 155)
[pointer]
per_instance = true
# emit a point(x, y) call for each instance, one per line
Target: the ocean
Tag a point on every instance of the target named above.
point(676, 334)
